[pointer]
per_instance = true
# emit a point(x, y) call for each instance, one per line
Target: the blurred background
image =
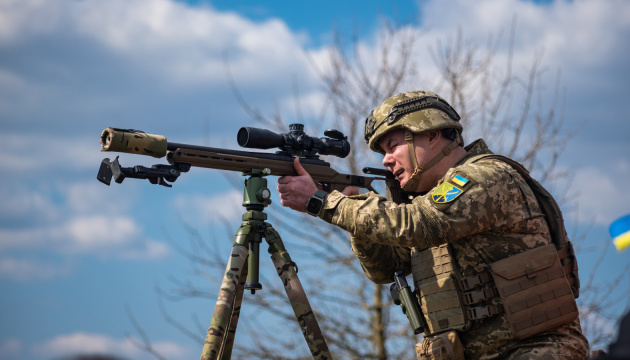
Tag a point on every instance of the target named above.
point(133, 270)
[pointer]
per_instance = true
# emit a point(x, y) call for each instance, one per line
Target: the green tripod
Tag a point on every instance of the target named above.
point(243, 265)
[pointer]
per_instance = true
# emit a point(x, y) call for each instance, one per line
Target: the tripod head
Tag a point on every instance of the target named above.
point(256, 195)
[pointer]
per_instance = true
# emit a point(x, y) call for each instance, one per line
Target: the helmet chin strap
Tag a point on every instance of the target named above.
point(412, 184)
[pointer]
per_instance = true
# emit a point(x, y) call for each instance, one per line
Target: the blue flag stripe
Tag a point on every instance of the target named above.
point(463, 180)
point(620, 226)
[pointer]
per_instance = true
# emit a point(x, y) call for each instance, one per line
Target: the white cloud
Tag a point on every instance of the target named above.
point(14, 20)
point(585, 38)
point(48, 153)
point(597, 326)
point(146, 250)
point(577, 25)
point(98, 232)
point(182, 43)
point(30, 238)
point(602, 195)
point(21, 207)
point(30, 269)
point(66, 216)
point(198, 208)
point(92, 197)
point(92, 344)
point(10, 348)
point(84, 220)
point(99, 235)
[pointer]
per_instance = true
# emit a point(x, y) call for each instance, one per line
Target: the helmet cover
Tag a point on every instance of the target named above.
point(416, 111)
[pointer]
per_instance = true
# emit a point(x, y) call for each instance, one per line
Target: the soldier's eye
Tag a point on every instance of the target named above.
point(390, 147)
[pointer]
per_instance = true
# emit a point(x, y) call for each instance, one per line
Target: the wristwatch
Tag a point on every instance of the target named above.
point(315, 203)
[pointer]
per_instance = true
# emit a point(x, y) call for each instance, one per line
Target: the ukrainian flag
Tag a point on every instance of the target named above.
point(620, 232)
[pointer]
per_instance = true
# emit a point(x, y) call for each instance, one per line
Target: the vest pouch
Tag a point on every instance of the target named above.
point(534, 290)
point(435, 277)
point(553, 217)
point(445, 346)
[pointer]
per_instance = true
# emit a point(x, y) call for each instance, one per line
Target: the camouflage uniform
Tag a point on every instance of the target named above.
point(495, 216)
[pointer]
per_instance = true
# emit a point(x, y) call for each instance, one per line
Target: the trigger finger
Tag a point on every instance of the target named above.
point(284, 179)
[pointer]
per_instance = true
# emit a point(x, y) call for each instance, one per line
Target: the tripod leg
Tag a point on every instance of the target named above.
point(231, 292)
point(299, 302)
point(226, 351)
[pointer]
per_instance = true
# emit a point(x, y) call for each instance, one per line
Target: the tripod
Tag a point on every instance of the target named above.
point(243, 264)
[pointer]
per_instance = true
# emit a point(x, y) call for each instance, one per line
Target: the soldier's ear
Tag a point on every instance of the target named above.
point(434, 135)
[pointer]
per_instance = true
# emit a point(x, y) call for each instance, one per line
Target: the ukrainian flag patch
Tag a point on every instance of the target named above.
point(459, 180)
point(446, 192)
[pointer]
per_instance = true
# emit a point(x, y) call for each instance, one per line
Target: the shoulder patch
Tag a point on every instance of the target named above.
point(446, 192)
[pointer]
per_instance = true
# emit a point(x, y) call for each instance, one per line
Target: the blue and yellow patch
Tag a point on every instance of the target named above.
point(446, 192)
point(459, 180)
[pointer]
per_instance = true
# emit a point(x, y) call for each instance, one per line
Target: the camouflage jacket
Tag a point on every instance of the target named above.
point(496, 215)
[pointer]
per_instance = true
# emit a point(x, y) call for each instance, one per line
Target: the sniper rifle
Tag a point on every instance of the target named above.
point(182, 157)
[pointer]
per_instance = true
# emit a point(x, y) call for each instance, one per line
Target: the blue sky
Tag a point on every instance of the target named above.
point(68, 69)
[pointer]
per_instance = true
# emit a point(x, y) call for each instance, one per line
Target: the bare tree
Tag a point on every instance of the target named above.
point(514, 110)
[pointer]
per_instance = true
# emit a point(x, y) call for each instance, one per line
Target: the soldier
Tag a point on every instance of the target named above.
point(494, 273)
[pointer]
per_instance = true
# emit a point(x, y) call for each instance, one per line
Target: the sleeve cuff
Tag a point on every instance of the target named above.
point(330, 205)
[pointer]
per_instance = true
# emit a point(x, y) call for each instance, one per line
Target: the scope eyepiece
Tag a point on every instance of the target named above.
point(339, 148)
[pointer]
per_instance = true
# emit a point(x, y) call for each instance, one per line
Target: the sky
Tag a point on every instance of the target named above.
point(76, 257)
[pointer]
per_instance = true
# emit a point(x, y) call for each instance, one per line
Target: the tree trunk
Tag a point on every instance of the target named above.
point(378, 325)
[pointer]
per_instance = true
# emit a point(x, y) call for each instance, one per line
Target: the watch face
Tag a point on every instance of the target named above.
point(314, 205)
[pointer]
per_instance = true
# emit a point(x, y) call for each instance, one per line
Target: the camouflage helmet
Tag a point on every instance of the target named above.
point(416, 111)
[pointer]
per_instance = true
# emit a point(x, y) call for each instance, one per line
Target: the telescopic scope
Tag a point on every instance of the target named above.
point(295, 142)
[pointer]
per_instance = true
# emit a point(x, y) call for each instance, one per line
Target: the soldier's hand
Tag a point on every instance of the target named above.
point(295, 191)
point(350, 190)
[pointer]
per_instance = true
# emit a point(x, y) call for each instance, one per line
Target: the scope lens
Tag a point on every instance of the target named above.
point(339, 148)
point(242, 137)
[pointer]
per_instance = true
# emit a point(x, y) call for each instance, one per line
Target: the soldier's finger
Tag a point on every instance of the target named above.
point(285, 179)
point(298, 167)
point(283, 189)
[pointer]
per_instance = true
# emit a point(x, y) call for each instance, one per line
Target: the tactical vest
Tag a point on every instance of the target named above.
point(536, 289)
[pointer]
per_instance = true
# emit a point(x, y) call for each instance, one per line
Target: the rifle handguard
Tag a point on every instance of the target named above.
point(133, 142)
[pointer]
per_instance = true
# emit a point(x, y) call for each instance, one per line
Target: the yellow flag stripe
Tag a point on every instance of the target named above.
point(458, 182)
point(622, 241)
